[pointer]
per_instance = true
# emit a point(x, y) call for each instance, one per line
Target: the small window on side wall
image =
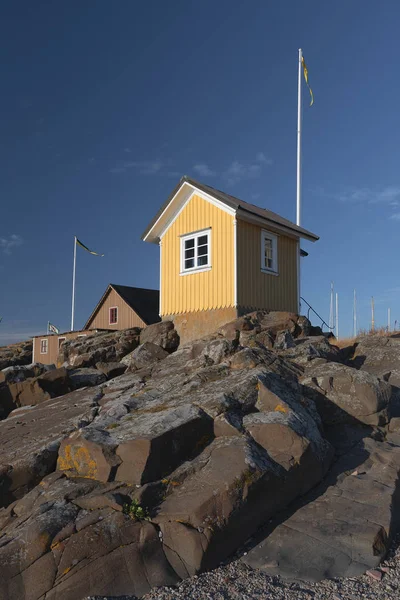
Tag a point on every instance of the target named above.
point(61, 340)
point(269, 252)
point(196, 252)
point(43, 346)
point(113, 315)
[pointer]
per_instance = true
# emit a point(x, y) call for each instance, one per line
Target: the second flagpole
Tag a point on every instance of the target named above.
point(298, 194)
point(298, 187)
point(73, 287)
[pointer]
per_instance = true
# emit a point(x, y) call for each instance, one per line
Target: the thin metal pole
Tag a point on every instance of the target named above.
point(372, 314)
point(47, 330)
point(388, 319)
point(331, 310)
point(73, 287)
point(354, 315)
point(298, 197)
point(337, 316)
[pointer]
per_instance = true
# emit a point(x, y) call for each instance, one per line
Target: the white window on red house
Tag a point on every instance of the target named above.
point(113, 315)
point(43, 346)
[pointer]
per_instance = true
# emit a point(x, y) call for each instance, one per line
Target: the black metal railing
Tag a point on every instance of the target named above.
point(315, 313)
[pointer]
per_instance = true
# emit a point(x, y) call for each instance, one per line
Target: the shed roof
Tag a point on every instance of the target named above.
point(241, 208)
point(144, 302)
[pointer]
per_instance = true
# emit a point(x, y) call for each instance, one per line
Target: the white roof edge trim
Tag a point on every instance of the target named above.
point(250, 218)
point(192, 190)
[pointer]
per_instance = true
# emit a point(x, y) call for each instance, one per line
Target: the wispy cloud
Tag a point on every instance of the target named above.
point(204, 170)
point(384, 195)
point(237, 170)
point(144, 167)
point(8, 244)
point(264, 160)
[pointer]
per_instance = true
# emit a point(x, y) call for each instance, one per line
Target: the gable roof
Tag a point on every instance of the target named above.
point(239, 207)
point(144, 302)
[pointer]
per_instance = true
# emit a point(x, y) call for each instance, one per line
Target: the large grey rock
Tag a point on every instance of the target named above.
point(343, 531)
point(138, 448)
point(143, 356)
point(30, 440)
point(344, 395)
point(28, 392)
point(111, 370)
point(379, 355)
point(16, 354)
point(98, 347)
point(85, 377)
point(161, 334)
point(69, 538)
point(311, 351)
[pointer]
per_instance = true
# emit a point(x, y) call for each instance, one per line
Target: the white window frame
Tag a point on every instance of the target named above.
point(60, 341)
point(195, 235)
point(109, 315)
point(274, 239)
point(46, 344)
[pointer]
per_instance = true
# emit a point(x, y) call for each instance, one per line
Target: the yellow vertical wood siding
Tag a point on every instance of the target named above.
point(257, 290)
point(127, 317)
point(208, 289)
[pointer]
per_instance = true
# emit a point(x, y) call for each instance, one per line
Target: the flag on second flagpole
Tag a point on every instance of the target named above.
point(53, 328)
point(86, 248)
point(305, 71)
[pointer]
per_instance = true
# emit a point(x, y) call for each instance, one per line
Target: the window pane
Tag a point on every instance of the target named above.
point(189, 253)
point(202, 250)
point(189, 263)
point(268, 253)
point(202, 260)
point(203, 239)
point(189, 243)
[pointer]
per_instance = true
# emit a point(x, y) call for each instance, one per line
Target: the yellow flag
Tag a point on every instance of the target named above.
point(305, 71)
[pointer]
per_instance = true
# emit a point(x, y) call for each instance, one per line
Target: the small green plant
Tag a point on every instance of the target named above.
point(135, 511)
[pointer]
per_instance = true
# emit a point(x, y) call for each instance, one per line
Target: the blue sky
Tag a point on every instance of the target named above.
point(104, 105)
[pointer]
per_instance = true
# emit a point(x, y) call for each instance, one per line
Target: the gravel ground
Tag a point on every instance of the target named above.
point(236, 581)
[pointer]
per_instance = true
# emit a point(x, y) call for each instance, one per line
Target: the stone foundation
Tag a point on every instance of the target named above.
point(194, 325)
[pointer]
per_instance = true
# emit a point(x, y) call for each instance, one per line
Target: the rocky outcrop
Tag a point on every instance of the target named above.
point(345, 530)
point(16, 355)
point(161, 334)
point(168, 468)
point(32, 390)
point(144, 355)
point(345, 395)
point(68, 538)
point(30, 439)
point(99, 347)
point(379, 355)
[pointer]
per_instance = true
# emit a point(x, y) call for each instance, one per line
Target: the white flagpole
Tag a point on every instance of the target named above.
point(73, 287)
point(337, 316)
point(48, 323)
point(354, 315)
point(298, 187)
point(298, 197)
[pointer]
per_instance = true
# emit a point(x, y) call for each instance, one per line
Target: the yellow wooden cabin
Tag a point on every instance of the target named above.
point(221, 258)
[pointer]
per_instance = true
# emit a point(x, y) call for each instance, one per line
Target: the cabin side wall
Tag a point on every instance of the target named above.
point(256, 289)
